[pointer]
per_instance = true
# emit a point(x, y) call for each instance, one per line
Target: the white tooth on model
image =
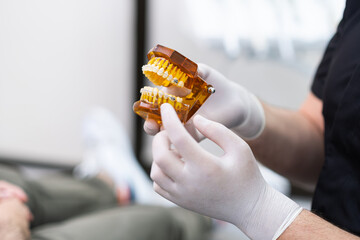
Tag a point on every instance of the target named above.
point(160, 72)
point(153, 68)
point(155, 91)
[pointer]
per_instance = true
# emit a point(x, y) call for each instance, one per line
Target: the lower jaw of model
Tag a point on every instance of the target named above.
point(185, 90)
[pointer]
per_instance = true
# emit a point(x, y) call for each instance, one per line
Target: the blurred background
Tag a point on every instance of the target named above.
point(59, 59)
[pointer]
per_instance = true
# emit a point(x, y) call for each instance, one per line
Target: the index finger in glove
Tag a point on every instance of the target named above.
point(185, 144)
point(166, 158)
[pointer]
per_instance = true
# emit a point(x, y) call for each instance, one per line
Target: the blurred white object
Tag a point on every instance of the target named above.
point(108, 148)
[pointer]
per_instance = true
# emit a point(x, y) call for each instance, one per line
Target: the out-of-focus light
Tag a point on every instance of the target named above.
point(259, 25)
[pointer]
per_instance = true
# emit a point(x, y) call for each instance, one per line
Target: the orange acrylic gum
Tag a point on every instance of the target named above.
point(168, 68)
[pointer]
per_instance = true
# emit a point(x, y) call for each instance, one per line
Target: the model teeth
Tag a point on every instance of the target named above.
point(154, 95)
point(162, 73)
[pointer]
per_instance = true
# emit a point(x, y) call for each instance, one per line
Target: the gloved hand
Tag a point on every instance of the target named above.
point(231, 105)
point(229, 188)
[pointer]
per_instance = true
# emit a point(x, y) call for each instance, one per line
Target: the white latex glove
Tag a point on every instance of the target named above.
point(229, 188)
point(231, 105)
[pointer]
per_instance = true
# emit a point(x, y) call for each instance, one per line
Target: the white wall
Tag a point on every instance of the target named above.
point(57, 59)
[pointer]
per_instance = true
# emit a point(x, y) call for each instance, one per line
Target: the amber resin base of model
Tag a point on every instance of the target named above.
point(168, 68)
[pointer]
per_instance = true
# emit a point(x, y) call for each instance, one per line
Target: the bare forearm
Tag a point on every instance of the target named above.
point(14, 220)
point(290, 145)
point(11, 232)
point(309, 226)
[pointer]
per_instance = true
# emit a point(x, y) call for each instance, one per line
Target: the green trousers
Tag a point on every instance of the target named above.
point(66, 208)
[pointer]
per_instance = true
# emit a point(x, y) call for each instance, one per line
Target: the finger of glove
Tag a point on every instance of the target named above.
point(165, 157)
point(219, 134)
point(189, 125)
point(151, 127)
point(157, 188)
point(204, 70)
point(158, 176)
point(210, 75)
point(186, 146)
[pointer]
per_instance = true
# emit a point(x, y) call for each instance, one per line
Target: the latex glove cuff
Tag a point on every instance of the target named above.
point(254, 123)
point(270, 216)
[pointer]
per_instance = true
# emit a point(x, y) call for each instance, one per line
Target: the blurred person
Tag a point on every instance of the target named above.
point(94, 202)
point(317, 145)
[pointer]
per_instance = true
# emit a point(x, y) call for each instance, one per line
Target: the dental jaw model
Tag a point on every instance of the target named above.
point(168, 68)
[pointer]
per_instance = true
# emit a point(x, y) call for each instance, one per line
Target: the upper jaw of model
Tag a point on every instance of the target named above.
point(179, 74)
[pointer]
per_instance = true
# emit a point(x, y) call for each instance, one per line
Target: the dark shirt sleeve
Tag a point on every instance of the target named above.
point(321, 74)
point(323, 68)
